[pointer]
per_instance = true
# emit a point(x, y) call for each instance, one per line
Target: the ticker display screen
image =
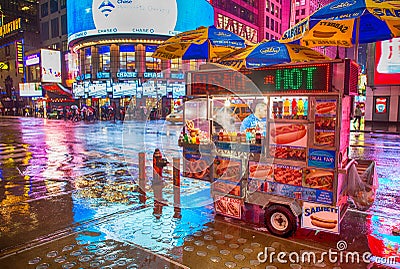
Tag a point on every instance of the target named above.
point(283, 79)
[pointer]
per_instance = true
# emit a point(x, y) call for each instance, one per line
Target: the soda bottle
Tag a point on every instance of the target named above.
point(294, 108)
point(286, 108)
point(181, 140)
point(275, 109)
point(280, 109)
point(300, 108)
point(305, 108)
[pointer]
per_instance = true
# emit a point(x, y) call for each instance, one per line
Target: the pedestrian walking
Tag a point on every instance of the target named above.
point(357, 117)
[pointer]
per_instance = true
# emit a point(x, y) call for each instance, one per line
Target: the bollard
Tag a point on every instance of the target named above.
point(158, 164)
point(177, 186)
point(142, 177)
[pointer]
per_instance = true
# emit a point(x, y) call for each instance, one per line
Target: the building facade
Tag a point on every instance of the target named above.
point(111, 44)
point(19, 32)
point(382, 104)
point(254, 20)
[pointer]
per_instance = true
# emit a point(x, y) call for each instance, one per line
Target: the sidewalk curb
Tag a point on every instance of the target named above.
point(375, 132)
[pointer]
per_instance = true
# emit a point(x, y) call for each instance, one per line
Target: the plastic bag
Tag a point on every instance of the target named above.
point(362, 188)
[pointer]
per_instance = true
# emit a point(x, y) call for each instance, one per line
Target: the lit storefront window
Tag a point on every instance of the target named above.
point(175, 64)
point(127, 58)
point(236, 27)
point(104, 58)
point(88, 60)
point(152, 64)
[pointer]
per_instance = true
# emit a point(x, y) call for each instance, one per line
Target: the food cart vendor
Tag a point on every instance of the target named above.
point(258, 117)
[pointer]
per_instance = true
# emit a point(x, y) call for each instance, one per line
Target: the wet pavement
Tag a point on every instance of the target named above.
point(69, 199)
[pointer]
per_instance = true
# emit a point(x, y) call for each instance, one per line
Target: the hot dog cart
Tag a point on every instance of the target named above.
point(295, 162)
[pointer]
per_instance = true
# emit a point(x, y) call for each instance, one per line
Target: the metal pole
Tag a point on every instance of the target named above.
point(142, 177)
point(357, 40)
point(177, 186)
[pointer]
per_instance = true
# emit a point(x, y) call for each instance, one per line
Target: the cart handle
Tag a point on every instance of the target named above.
point(346, 169)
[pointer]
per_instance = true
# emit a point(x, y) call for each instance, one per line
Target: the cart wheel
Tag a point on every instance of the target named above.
point(280, 221)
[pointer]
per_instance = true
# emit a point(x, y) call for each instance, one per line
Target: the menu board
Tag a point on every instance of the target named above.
point(318, 179)
point(228, 206)
point(307, 184)
point(226, 187)
point(227, 175)
point(196, 166)
point(298, 192)
point(227, 169)
point(325, 122)
point(288, 134)
point(321, 158)
point(287, 152)
point(285, 174)
point(260, 170)
point(321, 217)
point(288, 141)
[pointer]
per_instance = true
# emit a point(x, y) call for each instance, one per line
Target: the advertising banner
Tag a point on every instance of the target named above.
point(288, 134)
point(51, 65)
point(228, 169)
point(381, 105)
point(228, 206)
point(387, 55)
point(30, 90)
point(197, 166)
point(320, 217)
point(98, 90)
point(78, 90)
point(321, 158)
point(124, 89)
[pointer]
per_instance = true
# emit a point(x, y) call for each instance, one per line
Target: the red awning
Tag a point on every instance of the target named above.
point(58, 93)
point(57, 89)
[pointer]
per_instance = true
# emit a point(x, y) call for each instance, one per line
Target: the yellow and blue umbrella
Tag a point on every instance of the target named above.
point(203, 43)
point(344, 23)
point(270, 53)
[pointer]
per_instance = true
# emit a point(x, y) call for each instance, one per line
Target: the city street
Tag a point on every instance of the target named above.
point(69, 198)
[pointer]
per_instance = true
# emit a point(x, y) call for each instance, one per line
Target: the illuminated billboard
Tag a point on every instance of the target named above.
point(30, 90)
point(387, 58)
point(51, 65)
point(167, 17)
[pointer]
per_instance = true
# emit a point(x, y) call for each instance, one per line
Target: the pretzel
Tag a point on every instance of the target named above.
point(190, 125)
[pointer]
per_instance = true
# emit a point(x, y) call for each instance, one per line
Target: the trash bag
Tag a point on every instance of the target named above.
point(361, 188)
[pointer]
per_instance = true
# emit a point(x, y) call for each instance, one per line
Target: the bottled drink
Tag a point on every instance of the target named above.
point(181, 140)
point(300, 108)
point(221, 136)
point(280, 109)
point(305, 108)
point(294, 108)
point(286, 108)
point(275, 109)
point(258, 138)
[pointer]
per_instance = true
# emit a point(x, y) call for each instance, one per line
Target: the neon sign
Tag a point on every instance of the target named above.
point(289, 79)
point(10, 27)
point(310, 78)
point(19, 56)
